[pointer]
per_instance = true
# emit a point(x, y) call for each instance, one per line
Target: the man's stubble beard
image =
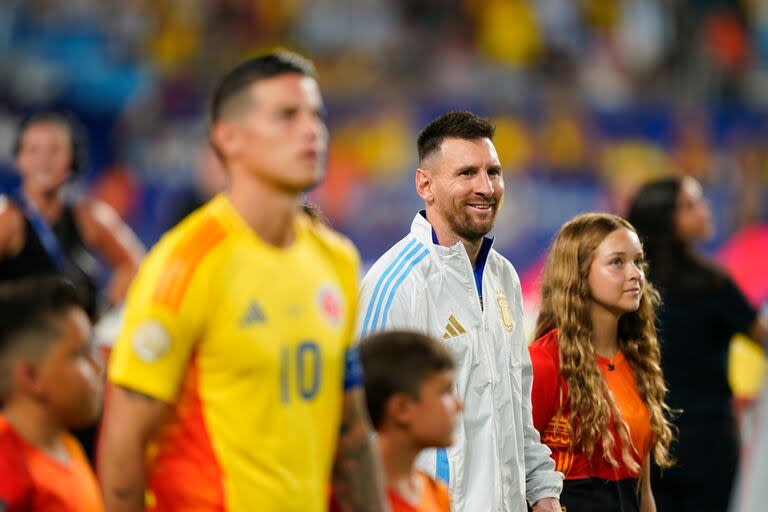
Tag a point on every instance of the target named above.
point(462, 225)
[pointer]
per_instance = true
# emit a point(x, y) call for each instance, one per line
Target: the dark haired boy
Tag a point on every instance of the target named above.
point(411, 396)
point(412, 402)
point(49, 382)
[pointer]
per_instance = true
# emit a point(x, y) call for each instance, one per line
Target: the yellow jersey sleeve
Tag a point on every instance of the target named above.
point(165, 310)
point(353, 369)
point(350, 280)
point(346, 262)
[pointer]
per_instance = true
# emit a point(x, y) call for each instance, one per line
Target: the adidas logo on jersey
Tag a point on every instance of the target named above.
point(453, 328)
point(254, 315)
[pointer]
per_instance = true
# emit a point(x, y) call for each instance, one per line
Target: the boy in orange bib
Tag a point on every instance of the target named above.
point(49, 381)
point(411, 396)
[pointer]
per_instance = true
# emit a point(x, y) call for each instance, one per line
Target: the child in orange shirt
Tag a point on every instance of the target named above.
point(410, 391)
point(49, 381)
point(412, 401)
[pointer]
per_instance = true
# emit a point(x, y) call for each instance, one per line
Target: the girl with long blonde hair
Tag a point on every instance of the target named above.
point(598, 389)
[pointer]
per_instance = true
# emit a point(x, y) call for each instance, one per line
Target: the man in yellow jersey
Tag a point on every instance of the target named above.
point(234, 385)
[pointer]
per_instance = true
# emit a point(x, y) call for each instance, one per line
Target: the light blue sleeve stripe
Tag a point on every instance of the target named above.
point(442, 469)
point(380, 282)
point(414, 262)
point(380, 299)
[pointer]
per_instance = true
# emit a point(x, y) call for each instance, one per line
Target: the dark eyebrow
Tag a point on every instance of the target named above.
point(466, 168)
point(476, 168)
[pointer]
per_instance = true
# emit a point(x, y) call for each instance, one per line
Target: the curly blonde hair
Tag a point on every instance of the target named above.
point(565, 305)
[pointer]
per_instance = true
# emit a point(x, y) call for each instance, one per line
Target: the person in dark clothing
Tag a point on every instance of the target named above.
point(44, 230)
point(702, 308)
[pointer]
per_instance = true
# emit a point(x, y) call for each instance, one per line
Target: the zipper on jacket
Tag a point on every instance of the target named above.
point(498, 490)
point(500, 487)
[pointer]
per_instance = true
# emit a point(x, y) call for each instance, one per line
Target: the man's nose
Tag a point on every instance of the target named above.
point(314, 127)
point(483, 184)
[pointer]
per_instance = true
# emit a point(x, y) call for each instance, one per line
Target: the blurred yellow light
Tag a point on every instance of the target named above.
point(746, 367)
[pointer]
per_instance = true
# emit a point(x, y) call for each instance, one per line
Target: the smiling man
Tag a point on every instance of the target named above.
point(445, 280)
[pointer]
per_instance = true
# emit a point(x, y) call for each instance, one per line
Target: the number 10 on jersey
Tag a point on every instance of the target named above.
point(299, 372)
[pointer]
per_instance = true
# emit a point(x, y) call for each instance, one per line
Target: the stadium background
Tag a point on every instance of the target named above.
point(590, 98)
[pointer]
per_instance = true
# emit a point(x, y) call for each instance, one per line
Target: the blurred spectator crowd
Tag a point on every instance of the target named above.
point(590, 98)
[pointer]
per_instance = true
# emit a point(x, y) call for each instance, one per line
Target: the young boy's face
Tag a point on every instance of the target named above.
point(436, 410)
point(69, 379)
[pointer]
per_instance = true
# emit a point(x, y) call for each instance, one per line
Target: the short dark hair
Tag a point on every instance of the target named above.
point(399, 362)
point(239, 78)
point(28, 308)
point(458, 124)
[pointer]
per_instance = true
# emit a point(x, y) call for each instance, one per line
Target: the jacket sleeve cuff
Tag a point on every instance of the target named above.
point(552, 490)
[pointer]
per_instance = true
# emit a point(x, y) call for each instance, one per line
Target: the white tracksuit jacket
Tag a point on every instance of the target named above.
point(497, 459)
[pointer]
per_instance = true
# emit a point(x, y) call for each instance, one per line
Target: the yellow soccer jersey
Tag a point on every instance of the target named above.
point(248, 342)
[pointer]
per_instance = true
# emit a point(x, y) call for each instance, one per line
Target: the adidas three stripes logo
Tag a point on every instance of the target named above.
point(453, 328)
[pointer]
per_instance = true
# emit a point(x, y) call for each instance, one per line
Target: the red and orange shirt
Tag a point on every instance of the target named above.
point(249, 345)
point(550, 391)
point(32, 480)
point(434, 498)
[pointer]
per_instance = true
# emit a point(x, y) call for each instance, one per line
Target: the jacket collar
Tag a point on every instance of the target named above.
point(422, 230)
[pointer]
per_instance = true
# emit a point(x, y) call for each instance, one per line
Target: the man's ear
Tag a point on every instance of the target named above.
point(424, 184)
point(224, 137)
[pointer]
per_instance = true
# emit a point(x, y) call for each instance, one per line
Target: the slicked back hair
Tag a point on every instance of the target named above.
point(237, 81)
point(458, 124)
point(399, 362)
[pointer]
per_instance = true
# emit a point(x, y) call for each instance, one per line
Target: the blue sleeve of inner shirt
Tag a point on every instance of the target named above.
point(353, 370)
